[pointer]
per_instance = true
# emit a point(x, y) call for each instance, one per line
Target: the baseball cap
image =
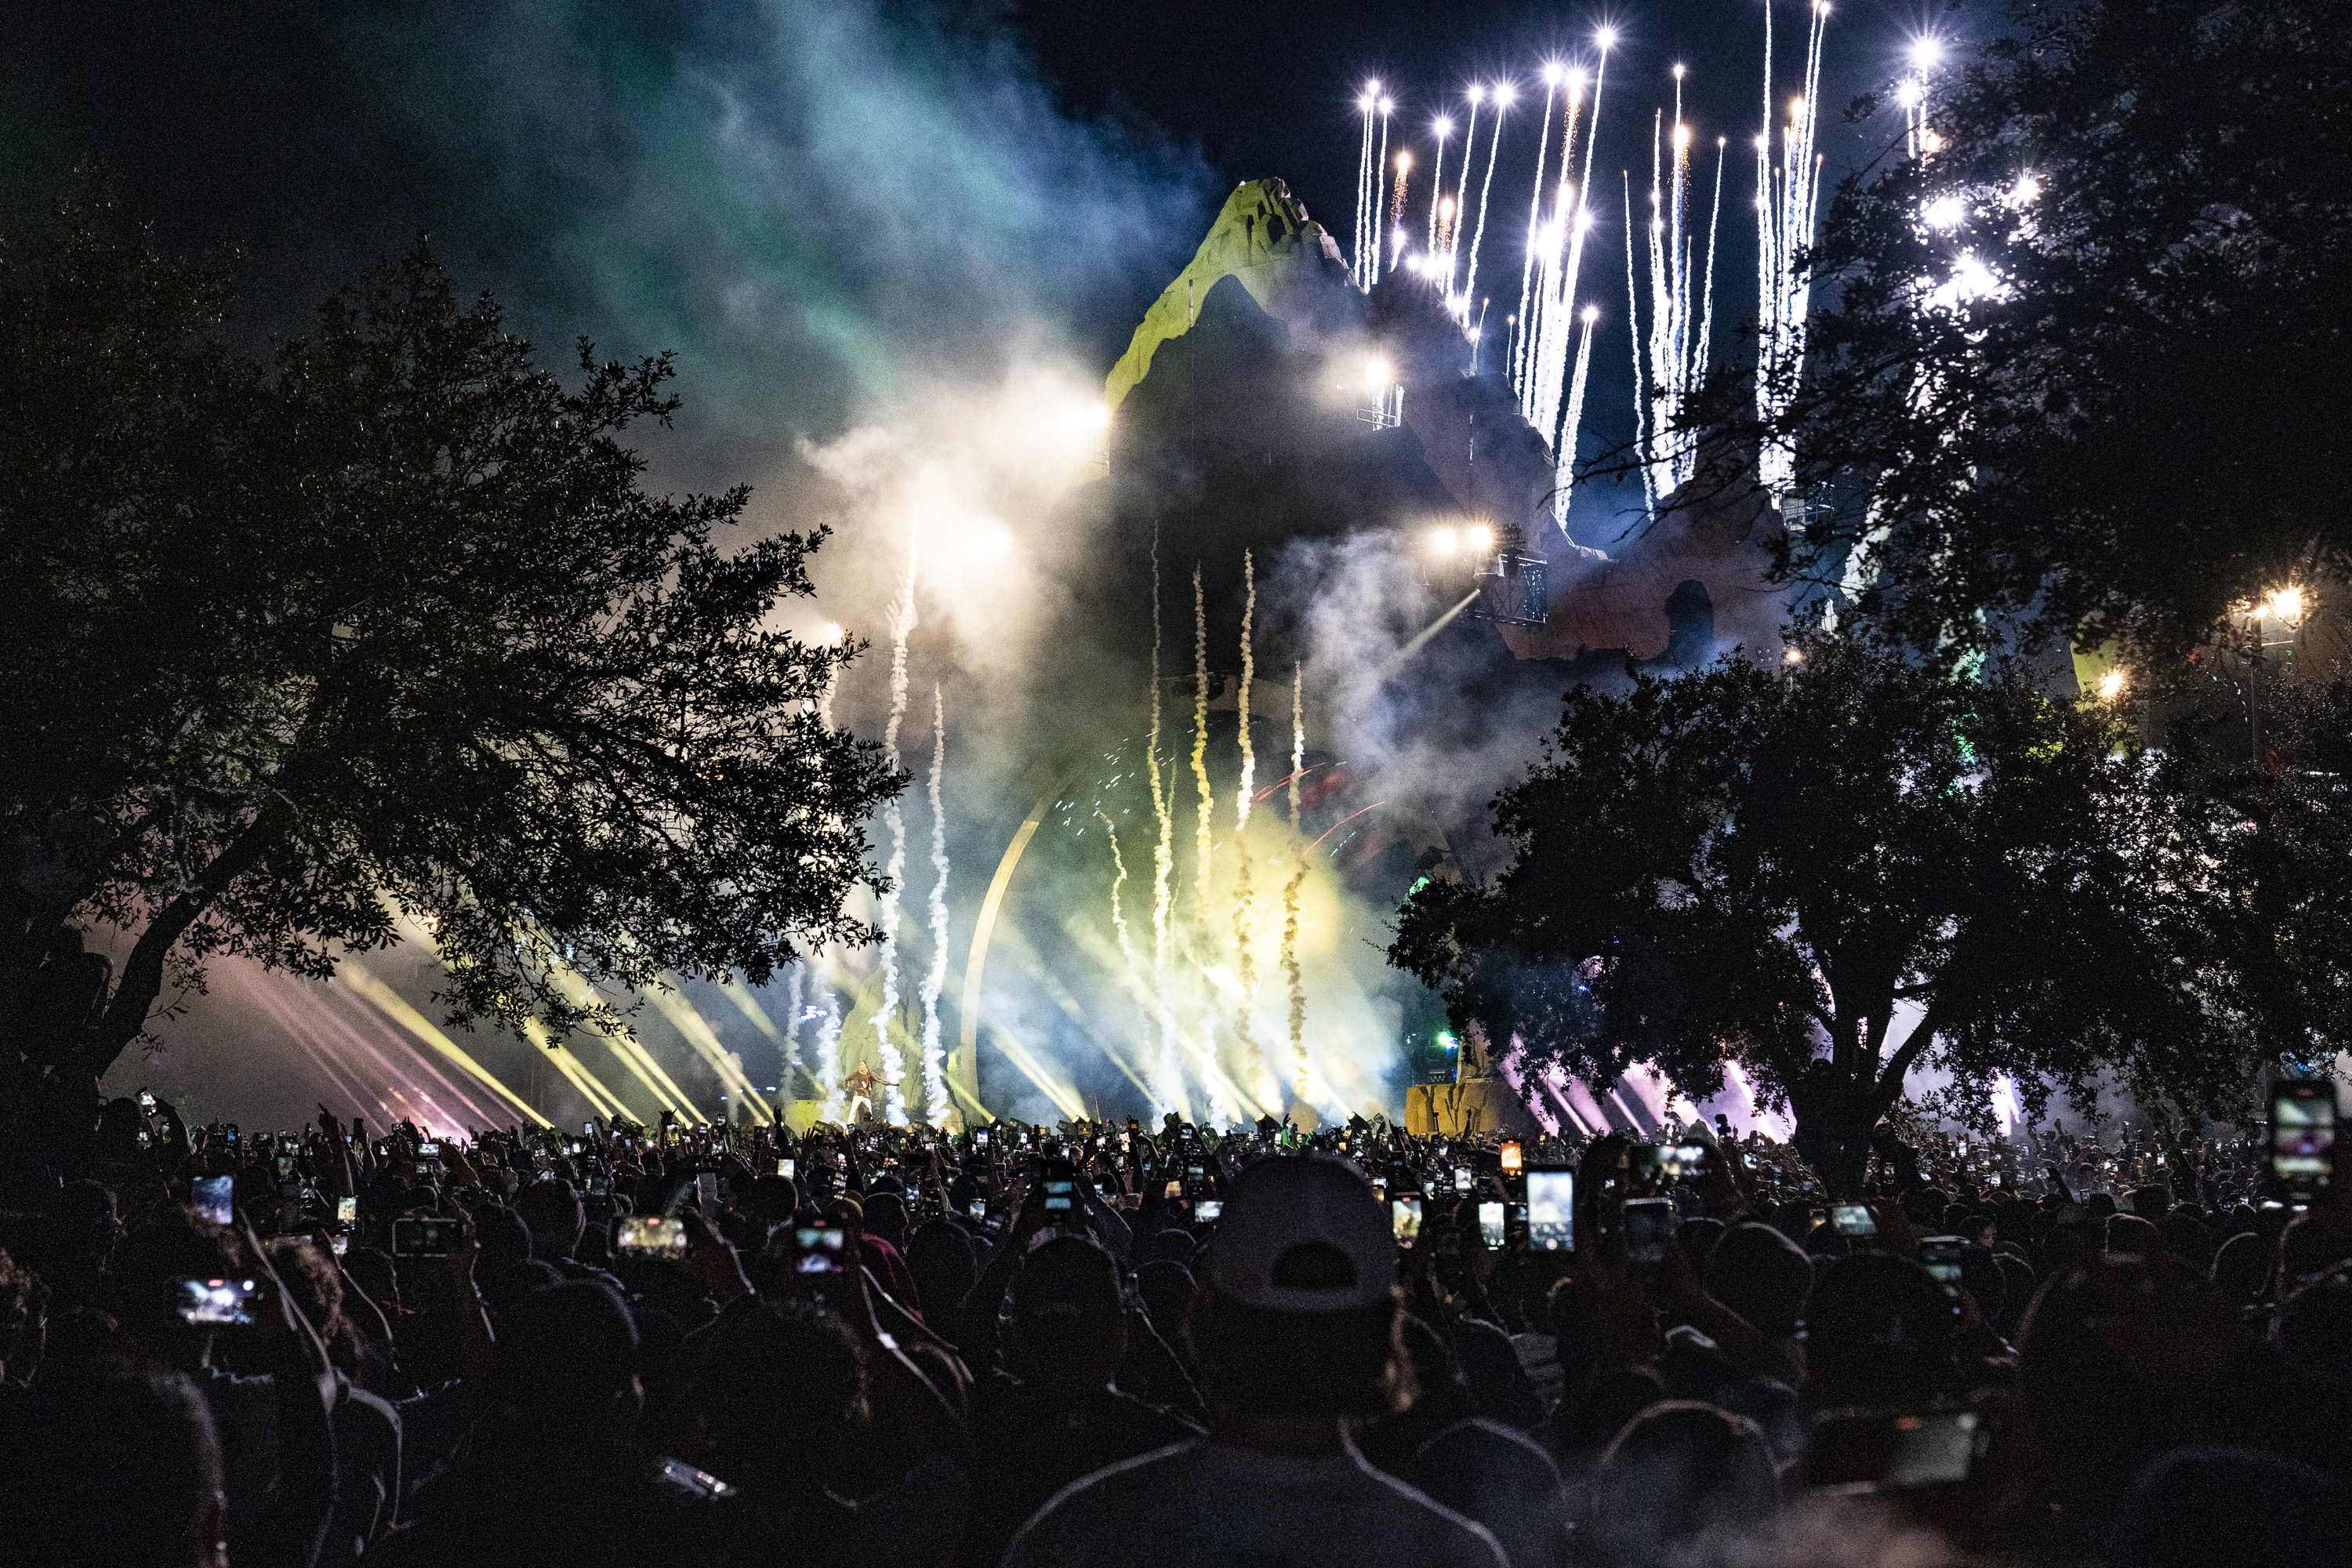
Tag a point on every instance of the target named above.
point(1302, 1233)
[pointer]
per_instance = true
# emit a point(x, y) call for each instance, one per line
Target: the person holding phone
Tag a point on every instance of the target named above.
point(1295, 1328)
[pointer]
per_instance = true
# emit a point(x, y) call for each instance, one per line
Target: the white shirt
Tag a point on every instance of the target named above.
point(1207, 1504)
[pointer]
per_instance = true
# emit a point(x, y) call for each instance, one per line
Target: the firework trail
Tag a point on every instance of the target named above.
point(1163, 863)
point(828, 1061)
point(1673, 369)
point(1786, 201)
point(1442, 130)
point(1396, 208)
point(885, 1010)
point(1535, 221)
point(1297, 736)
point(935, 1081)
point(1359, 270)
point(1297, 981)
point(1246, 958)
point(1462, 193)
point(1117, 912)
point(792, 1028)
point(1204, 842)
point(1564, 474)
point(1375, 235)
point(1562, 265)
point(1479, 231)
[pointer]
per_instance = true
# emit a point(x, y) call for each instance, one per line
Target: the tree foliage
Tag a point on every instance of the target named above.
point(378, 622)
point(1752, 866)
point(2086, 361)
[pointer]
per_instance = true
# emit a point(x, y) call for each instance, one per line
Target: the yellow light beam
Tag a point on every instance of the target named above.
point(976, 965)
point(356, 975)
point(749, 1005)
point(632, 1054)
point(603, 1101)
point(1064, 1098)
point(689, 1022)
point(1051, 984)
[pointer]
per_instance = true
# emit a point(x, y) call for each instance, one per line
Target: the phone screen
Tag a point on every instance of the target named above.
point(1853, 1220)
point(1405, 1217)
point(1209, 1210)
point(424, 1237)
point(215, 1302)
point(1490, 1226)
point(2302, 1134)
point(213, 1197)
point(1511, 1157)
point(1867, 1451)
point(347, 1212)
point(1461, 1178)
point(652, 1235)
point(1551, 1210)
point(784, 1167)
point(1941, 1257)
point(819, 1250)
point(1649, 1225)
point(1061, 1197)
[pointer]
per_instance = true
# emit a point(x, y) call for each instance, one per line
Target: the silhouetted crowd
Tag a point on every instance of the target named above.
point(1105, 1345)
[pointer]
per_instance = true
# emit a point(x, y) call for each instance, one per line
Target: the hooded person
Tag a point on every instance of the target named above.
point(1296, 1334)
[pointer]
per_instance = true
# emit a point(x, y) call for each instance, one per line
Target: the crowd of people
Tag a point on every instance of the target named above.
point(1098, 1345)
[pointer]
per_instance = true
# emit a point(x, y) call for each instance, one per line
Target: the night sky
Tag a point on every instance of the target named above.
point(811, 201)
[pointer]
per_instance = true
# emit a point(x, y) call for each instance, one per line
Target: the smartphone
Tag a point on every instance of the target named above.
point(1860, 1451)
point(425, 1238)
point(146, 1102)
point(784, 1168)
point(588, 1130)
point(1461, 1178)
point(599, 1187)
point(1941, 1257)
point(1490, 1226)
point(430, 1149)
point(978, 1209)
point(979, 1137)
point(285, 1166)
point(1853, 1221)
point(1405, 1217)
point(1511, 1157)
point(819, 1250)
point(229, 1133)
point(2302, 1134)
point(1649, 1225)
point(652, 1235)
point(1551, 1209)
point(1209, 1210)
point(340, 1243)
point(215, 1302)
point(1689, 1161)
point(213, 1197)
point(347, 1212)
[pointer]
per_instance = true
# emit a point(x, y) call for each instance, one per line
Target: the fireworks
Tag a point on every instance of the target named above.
point(885, 1010)
point(935, 1082)
point(1785, 200)
point(1669, 369)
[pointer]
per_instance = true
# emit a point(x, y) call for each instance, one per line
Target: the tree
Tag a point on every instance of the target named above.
point(2085, 359)
point(376, 623)
point(1759, 866)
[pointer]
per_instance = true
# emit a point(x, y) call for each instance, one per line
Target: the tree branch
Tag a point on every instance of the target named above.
point(143, 972)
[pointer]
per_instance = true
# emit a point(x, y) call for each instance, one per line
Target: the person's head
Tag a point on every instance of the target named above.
point(2130, 1236)
point(504, 1239)
point(2306, 1249)
point(2122, 1358)
point(2316, 1328)
point(1763, 1276)
point(1878, 1331)
point(567, 1365)
point(310, 1277)
point(1682, 1482)
point(115, 1467)
point(940, 1259)
point(552, 1209)
point(2017, 1292)
point(370, 1269)
point(1981, 1278)
point(886, 1217)
point(2152, 1202)
point(1069, 1319)
point(2185, 1238)
point(2231, 1508)
point(1298, 1312)
point(148, 1264)
point(2241, 1268)
point(776, 1389)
